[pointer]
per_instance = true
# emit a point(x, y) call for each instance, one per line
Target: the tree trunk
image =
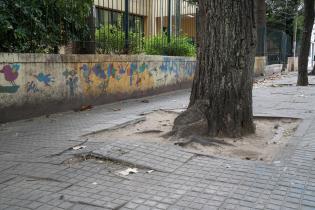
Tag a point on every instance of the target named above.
point(306, 42)
point(221, 98)
point(261, 27)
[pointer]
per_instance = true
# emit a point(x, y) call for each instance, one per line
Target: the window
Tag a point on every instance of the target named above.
point(116, 18)
point(106, 17)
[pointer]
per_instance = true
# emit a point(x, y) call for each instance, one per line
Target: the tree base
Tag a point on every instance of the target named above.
point(302, 79)
point(194, 121)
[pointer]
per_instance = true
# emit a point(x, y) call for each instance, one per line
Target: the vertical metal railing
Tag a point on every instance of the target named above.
point(278, 46)
point(148, 26)
point(169, 21)
point(163, 27)
point(126, 26)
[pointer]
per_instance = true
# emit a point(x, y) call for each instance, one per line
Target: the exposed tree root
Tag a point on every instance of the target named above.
point(192, 121)
point(196, 120)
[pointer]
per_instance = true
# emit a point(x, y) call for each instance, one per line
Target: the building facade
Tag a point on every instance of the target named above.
point(149, 17)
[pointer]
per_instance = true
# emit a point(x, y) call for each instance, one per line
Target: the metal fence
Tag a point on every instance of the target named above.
point(155, 27)
point(165, 27)
point(278, 46)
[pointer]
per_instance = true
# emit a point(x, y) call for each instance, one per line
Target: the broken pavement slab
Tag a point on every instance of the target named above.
point(116, 124)
point(151, 156)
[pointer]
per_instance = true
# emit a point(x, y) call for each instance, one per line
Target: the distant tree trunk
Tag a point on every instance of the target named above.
point(312, 73)
point(261, 27)
point(306, 42)
point(221, 98)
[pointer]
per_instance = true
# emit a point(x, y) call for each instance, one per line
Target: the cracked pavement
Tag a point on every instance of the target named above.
point(39, 170)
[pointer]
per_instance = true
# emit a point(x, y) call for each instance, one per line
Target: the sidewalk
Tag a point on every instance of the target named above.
point(38, 170)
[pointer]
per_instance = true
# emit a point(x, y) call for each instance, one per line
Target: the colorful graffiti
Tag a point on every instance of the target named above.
point(170, 66)
point(188, 67)
point(114, 77)
point(47, 79)
point(86, 72)
point(11, 73)
point(31, 87)
point(71, 81)
point(96, 79)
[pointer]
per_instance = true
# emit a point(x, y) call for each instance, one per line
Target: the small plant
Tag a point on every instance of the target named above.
point(178, 46)
point(111, 39)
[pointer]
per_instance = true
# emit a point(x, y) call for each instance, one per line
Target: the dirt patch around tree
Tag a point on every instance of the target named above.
point(272, 135)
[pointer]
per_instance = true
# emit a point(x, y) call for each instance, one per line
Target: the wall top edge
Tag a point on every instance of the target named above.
point(79, 58)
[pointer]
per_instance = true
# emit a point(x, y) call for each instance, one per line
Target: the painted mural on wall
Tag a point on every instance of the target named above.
point(91, 79)
point(72, 80)
point(10, 74)
point(39, 83)
point(178, 66)
point(115, 77)
point(46, 79)
point(31, 87)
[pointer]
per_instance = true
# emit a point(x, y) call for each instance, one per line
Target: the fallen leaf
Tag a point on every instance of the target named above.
point(86, 108)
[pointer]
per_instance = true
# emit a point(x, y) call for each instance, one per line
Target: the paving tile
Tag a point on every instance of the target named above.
point(33, 172)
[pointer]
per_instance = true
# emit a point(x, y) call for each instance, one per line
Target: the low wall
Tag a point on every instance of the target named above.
point(273, 69)
point(260, 65)
point(37, 84)
point(293, 63)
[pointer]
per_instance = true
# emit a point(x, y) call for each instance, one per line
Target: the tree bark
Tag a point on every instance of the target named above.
point(306, 42)
point(221, 97)
point(261, 27)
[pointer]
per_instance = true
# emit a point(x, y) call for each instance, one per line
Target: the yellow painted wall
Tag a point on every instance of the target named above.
point(39, 78)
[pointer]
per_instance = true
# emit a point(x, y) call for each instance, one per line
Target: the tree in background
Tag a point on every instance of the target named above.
point(282, 13)
point(284, 21)
point(221, 97)
point(306, 42)
point(42, 25)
